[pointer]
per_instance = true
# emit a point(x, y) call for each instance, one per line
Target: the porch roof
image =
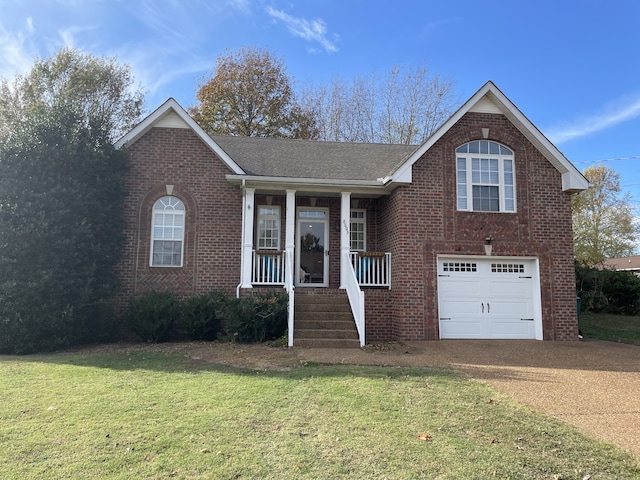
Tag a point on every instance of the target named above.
point(285, 158)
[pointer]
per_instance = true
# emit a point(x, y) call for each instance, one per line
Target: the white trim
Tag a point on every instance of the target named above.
point(277, 218)
point(326, 239)
point(572, 179)
point(345, 233)
point(155, 212)
point(157, 118)
point(247, 236)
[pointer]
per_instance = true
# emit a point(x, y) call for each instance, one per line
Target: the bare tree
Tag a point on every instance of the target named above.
point(402, 107)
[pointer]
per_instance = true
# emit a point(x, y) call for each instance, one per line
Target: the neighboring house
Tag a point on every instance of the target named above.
point(466, 236)
point(628, 264)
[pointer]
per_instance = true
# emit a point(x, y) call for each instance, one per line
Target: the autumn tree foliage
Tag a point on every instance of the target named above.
point(250, 94)
point(603, 220)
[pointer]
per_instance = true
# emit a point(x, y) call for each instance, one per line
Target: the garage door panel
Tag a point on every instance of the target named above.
point(460, 329)
point(514, 287)
point(486, 298)
point(460, 287)
point(459, 306)
point(519, 329)
point(511, 309)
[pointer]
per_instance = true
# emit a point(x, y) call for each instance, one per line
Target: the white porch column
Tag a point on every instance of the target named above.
point(345, 226)
point(247, 237)
point(289, 234)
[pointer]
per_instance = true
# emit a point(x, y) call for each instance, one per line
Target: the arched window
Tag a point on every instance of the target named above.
point(167, 233)
point(485, 177)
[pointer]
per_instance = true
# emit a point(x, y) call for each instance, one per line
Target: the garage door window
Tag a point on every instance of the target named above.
point(459, 267)
point(507, 268)
point(485, 177)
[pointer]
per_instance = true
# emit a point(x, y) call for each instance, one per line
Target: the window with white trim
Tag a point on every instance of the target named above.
point(268, 228)
point(358, 230)
point(485, 177)
point(167, 233)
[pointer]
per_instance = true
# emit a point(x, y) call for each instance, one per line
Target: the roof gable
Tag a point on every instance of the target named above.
point(171, 115)
point(489, 99)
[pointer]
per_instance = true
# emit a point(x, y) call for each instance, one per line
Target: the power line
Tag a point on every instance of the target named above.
point(633, 157)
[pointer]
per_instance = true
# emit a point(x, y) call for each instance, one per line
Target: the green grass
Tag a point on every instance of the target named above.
point(606, 326)
point(156, 416)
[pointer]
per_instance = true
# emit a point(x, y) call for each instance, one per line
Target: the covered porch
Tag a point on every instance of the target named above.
point(297, 239)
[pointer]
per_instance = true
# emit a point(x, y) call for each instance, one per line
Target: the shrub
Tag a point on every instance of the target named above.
point(256, 318)
point(608, 290)
point(201, 315)
point(150, 315)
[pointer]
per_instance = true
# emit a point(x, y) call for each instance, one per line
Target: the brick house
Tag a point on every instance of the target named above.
point(466, 236)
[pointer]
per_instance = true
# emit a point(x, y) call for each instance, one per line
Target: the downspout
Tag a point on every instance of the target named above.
point(244, 207)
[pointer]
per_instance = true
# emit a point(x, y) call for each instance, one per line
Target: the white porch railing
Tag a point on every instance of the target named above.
point(356, 298)
point(268, 268)
point(372, 269)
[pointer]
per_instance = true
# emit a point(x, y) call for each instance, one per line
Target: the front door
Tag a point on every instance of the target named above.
point(312, 254)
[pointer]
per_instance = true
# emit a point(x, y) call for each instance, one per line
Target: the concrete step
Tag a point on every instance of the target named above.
point(327, 334)
point(324, 320)
point(323, 324)
point(326, 343)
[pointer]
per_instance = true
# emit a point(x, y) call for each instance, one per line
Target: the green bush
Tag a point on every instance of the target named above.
point(256, 318)
point(608, 291)
point(201, 315)
point(151, 315)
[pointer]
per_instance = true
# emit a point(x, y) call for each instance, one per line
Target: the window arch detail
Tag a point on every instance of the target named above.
point(485, 174)
point(167, 233)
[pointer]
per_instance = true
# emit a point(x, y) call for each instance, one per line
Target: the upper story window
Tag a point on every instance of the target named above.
point(268, 228)
point(485, 177)
point(358, 232)
point(167, 235)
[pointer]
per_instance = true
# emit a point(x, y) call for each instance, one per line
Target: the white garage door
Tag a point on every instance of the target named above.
point(489, 298)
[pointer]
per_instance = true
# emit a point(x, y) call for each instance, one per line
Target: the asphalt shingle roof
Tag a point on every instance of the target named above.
point(275, 157)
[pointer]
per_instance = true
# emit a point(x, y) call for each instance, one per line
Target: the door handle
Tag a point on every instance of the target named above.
point(488, 308)
point(482, 307)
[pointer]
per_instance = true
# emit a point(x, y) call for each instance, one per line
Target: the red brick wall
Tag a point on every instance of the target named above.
point(420, 221)
point(213, 217)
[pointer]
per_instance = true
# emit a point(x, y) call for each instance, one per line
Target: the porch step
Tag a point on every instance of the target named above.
point(324, 321)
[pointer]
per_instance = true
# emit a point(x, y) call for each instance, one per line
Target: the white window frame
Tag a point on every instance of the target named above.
point(485, 150)
point(358, 221)
point(167, 225)
point(262, 229)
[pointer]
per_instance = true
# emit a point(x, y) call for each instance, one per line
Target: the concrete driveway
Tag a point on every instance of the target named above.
point(591, 384)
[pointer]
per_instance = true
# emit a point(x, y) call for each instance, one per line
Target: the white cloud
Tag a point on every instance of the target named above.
point(313, 30)
point(621, 111)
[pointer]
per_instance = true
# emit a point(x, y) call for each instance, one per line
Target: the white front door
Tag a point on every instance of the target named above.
point(489, 298)
point(312, 251)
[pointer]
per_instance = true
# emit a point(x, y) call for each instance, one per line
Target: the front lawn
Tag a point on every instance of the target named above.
point(159, 416)
point(607, 326)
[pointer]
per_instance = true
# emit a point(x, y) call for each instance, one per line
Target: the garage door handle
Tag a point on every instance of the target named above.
point(482, 307)
point(488, 308)
point(445, 318)
point(526, 319)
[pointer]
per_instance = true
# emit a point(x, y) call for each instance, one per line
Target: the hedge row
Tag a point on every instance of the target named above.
point(257, 318)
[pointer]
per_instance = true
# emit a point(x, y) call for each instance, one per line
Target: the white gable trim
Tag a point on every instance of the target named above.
point(489, 99)
point(171, 114)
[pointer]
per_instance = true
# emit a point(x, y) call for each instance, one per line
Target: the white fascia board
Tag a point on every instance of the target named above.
point(168, 106)
point(572, 179)
point(309, 184)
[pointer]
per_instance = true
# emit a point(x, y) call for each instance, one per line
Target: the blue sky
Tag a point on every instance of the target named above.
point(571, 66)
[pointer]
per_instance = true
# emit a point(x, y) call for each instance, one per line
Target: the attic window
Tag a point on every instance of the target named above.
point(485, 177)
